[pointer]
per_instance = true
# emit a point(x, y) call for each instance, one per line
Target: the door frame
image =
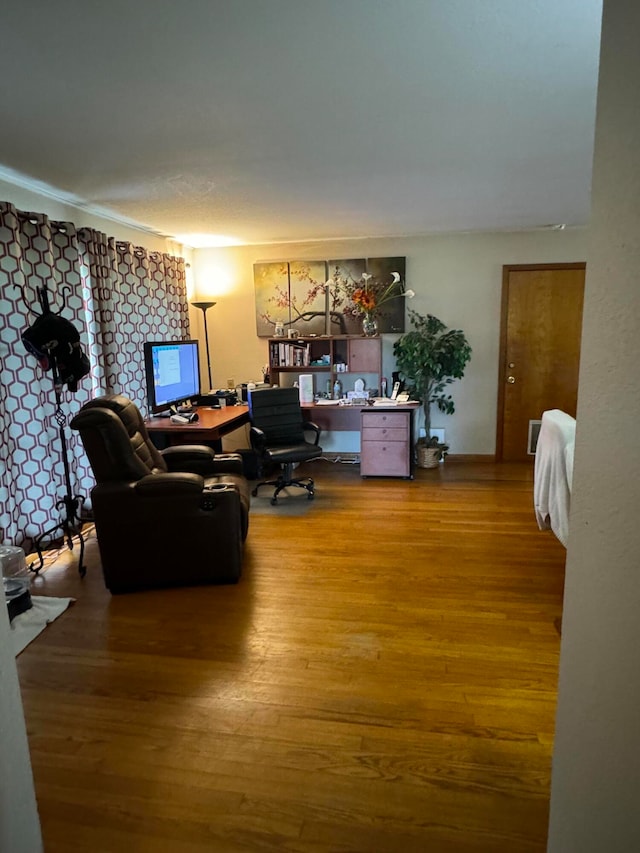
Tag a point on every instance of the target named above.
point(507, 269)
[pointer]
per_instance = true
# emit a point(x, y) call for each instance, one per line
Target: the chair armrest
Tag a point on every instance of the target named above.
point(309, 426)
point(257, 438)
point(199, 459)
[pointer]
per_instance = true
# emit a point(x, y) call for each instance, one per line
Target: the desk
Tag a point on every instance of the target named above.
point(386, 434)
point(211, 425)
point(341, 418)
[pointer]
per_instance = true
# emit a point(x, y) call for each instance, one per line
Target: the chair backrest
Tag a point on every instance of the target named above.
point(116, 440)
point(277, 412)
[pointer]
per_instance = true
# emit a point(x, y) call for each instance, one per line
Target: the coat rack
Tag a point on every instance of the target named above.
point(71, 522)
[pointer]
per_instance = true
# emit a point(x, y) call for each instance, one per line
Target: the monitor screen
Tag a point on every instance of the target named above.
point(173, 373)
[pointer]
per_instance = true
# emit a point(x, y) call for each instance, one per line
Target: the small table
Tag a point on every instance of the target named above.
point(211, 425)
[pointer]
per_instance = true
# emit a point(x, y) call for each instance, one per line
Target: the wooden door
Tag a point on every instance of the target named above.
point(539, 349)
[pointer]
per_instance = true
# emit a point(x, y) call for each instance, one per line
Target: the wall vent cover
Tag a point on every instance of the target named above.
point(532, 441)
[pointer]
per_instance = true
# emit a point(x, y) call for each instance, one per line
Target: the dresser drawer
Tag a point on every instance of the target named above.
point(385, 459)
point(385, 444)
point(383, 434)
point(391, 420)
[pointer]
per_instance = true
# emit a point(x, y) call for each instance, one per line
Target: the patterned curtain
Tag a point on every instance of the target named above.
point(35, 253)
point(139, 296)
point(117, 296)
point(97, 260)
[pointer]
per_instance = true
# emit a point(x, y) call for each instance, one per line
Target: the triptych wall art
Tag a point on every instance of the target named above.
point(317, 297)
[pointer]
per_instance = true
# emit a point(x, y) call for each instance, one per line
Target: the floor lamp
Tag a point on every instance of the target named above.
point(204, 307)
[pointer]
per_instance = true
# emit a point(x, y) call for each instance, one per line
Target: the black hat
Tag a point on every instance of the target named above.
point(51, 336)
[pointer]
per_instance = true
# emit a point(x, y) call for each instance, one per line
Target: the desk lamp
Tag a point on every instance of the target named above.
point(204, 306)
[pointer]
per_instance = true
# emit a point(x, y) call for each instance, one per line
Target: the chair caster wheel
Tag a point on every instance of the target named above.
point(310, 496)
point(274, 501)
point(255, 493)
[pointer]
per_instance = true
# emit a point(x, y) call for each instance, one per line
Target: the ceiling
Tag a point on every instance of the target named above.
point(292, 120)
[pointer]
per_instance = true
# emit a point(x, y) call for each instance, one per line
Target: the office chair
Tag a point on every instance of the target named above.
point(163, 518)
point(278, 436)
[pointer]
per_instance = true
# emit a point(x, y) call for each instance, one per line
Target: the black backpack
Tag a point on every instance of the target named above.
point(52, 337)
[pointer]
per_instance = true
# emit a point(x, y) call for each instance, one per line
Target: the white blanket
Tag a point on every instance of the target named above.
point(26, 626)
point(554, 472)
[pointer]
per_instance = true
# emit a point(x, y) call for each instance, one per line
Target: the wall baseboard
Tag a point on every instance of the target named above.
point(472, 457)
point(333, 456)
point(354, 458)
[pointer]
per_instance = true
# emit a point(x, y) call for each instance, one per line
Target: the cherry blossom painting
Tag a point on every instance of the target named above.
point(317, 297)
point(375, 285)
point(272, 296)
point(291, 293)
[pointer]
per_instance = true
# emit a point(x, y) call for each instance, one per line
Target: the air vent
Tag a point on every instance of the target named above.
point(532, 441)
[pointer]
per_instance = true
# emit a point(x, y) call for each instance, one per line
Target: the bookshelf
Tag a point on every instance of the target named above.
point(386, 433)
point(345, 358)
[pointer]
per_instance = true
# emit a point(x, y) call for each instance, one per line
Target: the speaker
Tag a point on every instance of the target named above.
point(229, 398)
point(305, 386)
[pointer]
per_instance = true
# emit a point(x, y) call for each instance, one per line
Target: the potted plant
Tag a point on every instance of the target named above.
point(429, 358)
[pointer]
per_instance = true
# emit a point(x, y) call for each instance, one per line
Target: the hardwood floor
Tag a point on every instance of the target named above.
point(383, 678)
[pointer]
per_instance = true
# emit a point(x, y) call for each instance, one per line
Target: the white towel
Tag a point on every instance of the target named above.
point(554, 472)
point(26, 626)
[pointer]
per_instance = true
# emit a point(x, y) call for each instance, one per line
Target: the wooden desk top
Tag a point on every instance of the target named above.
point(340, 418)
point(334, 404)
point(214, 422)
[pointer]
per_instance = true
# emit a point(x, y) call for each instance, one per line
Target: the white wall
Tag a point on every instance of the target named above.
point(456, 277)
point(596, 765)
point(19, 824)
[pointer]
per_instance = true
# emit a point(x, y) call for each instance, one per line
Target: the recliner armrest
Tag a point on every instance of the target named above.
point(182, 457)
point(123, 498)
point(173, 485)
point(199, 459)
point(228, 463)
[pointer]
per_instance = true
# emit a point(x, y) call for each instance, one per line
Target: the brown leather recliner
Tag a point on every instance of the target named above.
point(163, 518)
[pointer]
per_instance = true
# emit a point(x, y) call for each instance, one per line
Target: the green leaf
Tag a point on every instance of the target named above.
point(430, 357)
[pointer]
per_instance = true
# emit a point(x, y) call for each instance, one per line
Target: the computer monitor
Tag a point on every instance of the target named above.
point(172, 371)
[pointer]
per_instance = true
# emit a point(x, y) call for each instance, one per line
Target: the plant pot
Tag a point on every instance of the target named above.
point(428, 457)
